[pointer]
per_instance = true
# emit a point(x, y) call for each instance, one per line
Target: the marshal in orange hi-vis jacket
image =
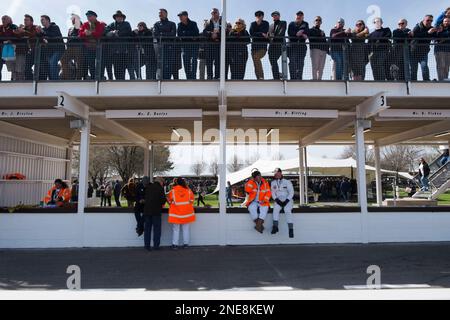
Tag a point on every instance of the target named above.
point(181, 209)
point(58, 198)
point(251, 188)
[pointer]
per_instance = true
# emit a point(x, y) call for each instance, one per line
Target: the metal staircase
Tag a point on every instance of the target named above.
point(439, 181)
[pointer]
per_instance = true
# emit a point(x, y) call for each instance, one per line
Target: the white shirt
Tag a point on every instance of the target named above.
point(282, 190)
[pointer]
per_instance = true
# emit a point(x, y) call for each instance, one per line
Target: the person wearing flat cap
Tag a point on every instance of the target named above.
point(188, 33)
point(283, 194)
point(119, 32)
point(91, 31)
point(277, 32)
point(259, 31)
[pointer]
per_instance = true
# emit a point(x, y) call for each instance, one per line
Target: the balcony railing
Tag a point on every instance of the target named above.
point(195, 59)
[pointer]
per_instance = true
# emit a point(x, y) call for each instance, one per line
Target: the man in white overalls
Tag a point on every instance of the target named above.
point(283, 195)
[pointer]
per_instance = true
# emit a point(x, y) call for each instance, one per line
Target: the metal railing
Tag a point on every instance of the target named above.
point(197, 59)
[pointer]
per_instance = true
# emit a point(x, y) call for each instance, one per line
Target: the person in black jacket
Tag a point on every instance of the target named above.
point(238, 41)
point(155, 199)
point(144, 37)
point(318, 49)
point(424, 174)
point(298, 33)
point(188, 33)
point(139, 205)
point(52, 49)
point(165, 32)
point(277, 32)
point(422, 35)
point(380, 46)
point(442, 50)
point(212, 34)
point(259, 31)
point(118, 33)
point(401, 50)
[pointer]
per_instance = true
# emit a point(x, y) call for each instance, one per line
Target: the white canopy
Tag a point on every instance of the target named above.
point(267, 167)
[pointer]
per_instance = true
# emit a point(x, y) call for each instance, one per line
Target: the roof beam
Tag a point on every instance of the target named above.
point(327, 130)
point(18, 132)
point(72, 106)
point(425, 131)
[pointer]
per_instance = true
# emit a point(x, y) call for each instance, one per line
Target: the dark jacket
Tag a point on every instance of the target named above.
point(237, 43)
point(123, 28)
point(443, 41)
point(379, 40)
point(73, 35)
point(318, 39)
point(401, 36)
point(421, 40)
point(155, 199)
point(54, 37)
point(256, 31)
point(165, 29)
point(277, 31)
point(294, 28)
point(338, 38)
point(188, 32)
point(209, 29)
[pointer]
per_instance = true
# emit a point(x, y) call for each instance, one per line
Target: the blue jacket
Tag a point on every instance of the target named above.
point(440, 20)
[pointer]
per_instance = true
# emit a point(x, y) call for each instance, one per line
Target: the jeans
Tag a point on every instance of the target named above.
point(1, 68)
point(138, 210)
point(53, 60)
point(425, 183)
point(444, 161)
point(155, 223)
point(229, 201)
point(90, 62)
point(423, 62)
point(338, 58)
point(190, 62)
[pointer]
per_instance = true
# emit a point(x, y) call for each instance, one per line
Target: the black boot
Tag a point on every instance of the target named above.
point(291, 233)
point(275, 230)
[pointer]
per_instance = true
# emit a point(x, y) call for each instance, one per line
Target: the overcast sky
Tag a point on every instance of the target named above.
point(147, 11)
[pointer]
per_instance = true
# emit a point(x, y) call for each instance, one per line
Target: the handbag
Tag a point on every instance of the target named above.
point(9, 52)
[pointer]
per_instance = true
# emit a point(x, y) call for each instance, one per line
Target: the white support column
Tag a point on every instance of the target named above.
point(152, 161)
point(302, 175)
point(223, 38)
point(305, 152)
point(223, 175)
point(361, 179)
point(84, 166)
point(147, 161)
point(378, 176)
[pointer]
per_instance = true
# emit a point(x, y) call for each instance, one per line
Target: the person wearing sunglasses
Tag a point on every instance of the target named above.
point(358, 51)
point(277, 32)
point(259, 31)
point(318, 48)
point(379, 48)
point(422, 34)
point(298, 32)
point(401, 36)
point(238, 40)
point(442, 50)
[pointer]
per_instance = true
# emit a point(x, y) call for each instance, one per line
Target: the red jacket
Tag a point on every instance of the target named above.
point(95, 35)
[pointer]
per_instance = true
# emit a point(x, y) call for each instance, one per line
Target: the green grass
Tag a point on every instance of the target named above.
point(444, 200)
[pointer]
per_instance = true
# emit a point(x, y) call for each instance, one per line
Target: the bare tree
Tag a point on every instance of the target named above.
point(161, 158)
point(350, 152)
point(214, 167)
point(198, 168)
point(127, 161)
point(400, 157)
point(278, 157)
point(251, 160)
point(99, 164)
point(235, 164)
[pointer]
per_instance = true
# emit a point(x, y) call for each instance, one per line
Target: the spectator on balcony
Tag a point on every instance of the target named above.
point(380, 46)
point(442, 50)
point(73, 60)
point(298, 32)
point(118, 34)
point(52, 49)
point(189, 34)
point(144, 36)
point(358, 54)
point(238, 40)
point(339, 38)
point(401, 50)
point(91, 32)
point(202, 54)
point(8, 35)
point(319, 48)
point(422, 35)
point(259, 31)
point(441, 17)
point(165, 32)
point(277, 32)
point(29, 33)
point(25, 50)
point(212, 33)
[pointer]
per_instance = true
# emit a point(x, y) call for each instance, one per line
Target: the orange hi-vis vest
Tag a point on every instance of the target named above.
point(65, 194)
point(181, 210)
point(251, 188)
